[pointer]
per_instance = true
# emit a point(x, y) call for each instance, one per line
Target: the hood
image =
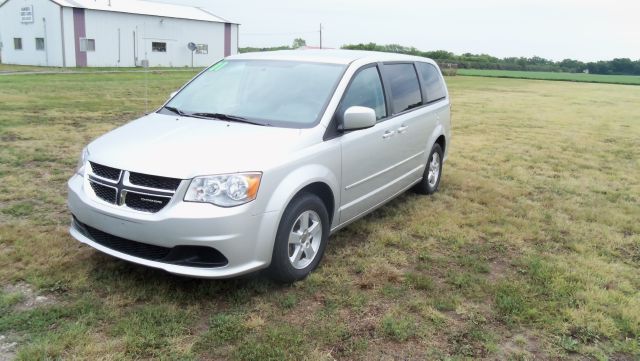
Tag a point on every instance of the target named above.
point(183, 147)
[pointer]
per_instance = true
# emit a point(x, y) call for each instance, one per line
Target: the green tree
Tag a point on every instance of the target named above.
point(298, 43)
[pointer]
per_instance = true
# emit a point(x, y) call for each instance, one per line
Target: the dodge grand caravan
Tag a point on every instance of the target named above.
point(259, 158)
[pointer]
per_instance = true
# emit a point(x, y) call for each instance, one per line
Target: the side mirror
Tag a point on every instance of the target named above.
point(358, 118)
point(173, 94)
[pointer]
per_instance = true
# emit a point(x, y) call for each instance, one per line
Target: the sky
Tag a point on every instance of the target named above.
point(586, 30)
point(555, 29)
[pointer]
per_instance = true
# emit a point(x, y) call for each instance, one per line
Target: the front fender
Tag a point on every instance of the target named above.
point(283, 192)
point(301, 177)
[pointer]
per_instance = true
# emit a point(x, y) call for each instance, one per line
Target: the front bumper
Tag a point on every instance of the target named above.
point(245, 237)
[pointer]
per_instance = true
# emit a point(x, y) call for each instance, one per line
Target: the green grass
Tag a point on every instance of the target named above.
point(531, 248)
point(10, 68)
point(539, 75)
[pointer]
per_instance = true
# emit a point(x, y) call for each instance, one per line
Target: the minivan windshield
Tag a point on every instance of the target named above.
point(265, 92)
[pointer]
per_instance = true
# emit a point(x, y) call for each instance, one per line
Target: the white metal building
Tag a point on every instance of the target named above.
point(112, 33)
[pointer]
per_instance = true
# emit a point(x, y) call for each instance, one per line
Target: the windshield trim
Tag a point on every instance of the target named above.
point(277, 123)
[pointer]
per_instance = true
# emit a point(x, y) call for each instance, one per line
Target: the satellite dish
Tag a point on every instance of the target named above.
point(192, 46)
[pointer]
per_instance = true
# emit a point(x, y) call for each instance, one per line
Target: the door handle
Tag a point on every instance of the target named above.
point(403, 128)
point(388, 134)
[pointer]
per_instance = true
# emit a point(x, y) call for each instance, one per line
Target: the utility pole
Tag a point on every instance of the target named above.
point(320, 35)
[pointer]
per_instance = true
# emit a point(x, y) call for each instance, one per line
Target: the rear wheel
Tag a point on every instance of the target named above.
point(432, 172)
point(301, 239)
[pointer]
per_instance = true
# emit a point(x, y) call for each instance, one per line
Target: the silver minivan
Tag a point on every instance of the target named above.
point(259, 158)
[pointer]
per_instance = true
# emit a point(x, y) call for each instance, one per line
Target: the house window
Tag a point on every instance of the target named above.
point(202, 49)
point(87, 45)
point(39, 43)
point(17, 43)
point(158, 47)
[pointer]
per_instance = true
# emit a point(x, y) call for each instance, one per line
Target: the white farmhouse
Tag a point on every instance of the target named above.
point(112, 33)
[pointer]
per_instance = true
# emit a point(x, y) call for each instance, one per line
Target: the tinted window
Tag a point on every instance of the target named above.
point(365, 91)
point(17, 43)
point(280, 93)
point(405, 89)
point(433, 85)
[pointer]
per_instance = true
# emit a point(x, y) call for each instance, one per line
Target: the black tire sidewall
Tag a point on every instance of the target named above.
point(426, 188)
point(280, 268)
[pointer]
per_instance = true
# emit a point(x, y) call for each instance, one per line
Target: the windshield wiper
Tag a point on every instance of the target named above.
point(228, 117)
point(175, 110)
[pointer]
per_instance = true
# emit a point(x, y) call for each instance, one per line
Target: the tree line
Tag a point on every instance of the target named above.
point(618, 66)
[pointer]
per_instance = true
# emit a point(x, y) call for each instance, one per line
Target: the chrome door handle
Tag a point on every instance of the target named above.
point(403, 129)
point(388, 134)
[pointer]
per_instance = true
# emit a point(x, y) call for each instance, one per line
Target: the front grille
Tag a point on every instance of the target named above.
point(145, 202)
point(107, 194)
point(105, 172)
point(154, 181)
point(191, 256)
point(125, 188)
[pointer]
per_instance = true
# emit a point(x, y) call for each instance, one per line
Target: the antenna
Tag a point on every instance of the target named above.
point(320, 35)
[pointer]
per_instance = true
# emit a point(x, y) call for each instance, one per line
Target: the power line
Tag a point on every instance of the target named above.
point(275, 34)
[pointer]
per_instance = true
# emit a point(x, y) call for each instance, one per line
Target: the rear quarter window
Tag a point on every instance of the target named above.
point(432, 82)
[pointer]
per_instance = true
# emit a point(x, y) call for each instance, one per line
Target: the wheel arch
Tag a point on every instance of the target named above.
point(442, 142)
point(439, 137)
point(313, 178)
point(324, 192)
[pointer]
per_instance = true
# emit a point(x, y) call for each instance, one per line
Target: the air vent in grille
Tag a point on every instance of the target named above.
point(105, 172)
point(145, 202)
point(137, 249)
point(154, 181)
point(191, 256)
point(107, 194)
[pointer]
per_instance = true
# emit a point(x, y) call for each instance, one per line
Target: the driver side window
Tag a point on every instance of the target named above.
point(366, 91)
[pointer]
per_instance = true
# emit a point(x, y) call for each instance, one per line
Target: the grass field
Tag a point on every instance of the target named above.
point(10, 68)
point(577, 77)
point(531, 249)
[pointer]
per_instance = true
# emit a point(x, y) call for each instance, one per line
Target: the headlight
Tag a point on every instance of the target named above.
point(227, 190)
point(84, 157)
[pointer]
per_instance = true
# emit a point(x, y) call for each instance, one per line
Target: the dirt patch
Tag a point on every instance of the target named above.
point(10, 137)
point(309, 307)
point(30, 299)
point(498, 269)
point(7, 348)
point(523, 345)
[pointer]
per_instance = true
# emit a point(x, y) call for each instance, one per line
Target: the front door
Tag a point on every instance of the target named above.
point(368, 155)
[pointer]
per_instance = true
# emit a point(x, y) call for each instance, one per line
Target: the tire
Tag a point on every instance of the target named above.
point(428, 185)
point(284, 267)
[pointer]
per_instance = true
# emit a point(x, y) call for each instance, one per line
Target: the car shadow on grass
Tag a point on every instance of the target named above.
point(112, 277)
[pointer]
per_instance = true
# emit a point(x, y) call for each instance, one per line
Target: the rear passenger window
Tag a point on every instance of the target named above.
point(365, 91)
point(432, 81)
point(405, 89)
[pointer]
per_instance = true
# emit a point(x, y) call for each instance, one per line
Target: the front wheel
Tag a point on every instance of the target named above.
point(432, 173)
point(301, 239)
